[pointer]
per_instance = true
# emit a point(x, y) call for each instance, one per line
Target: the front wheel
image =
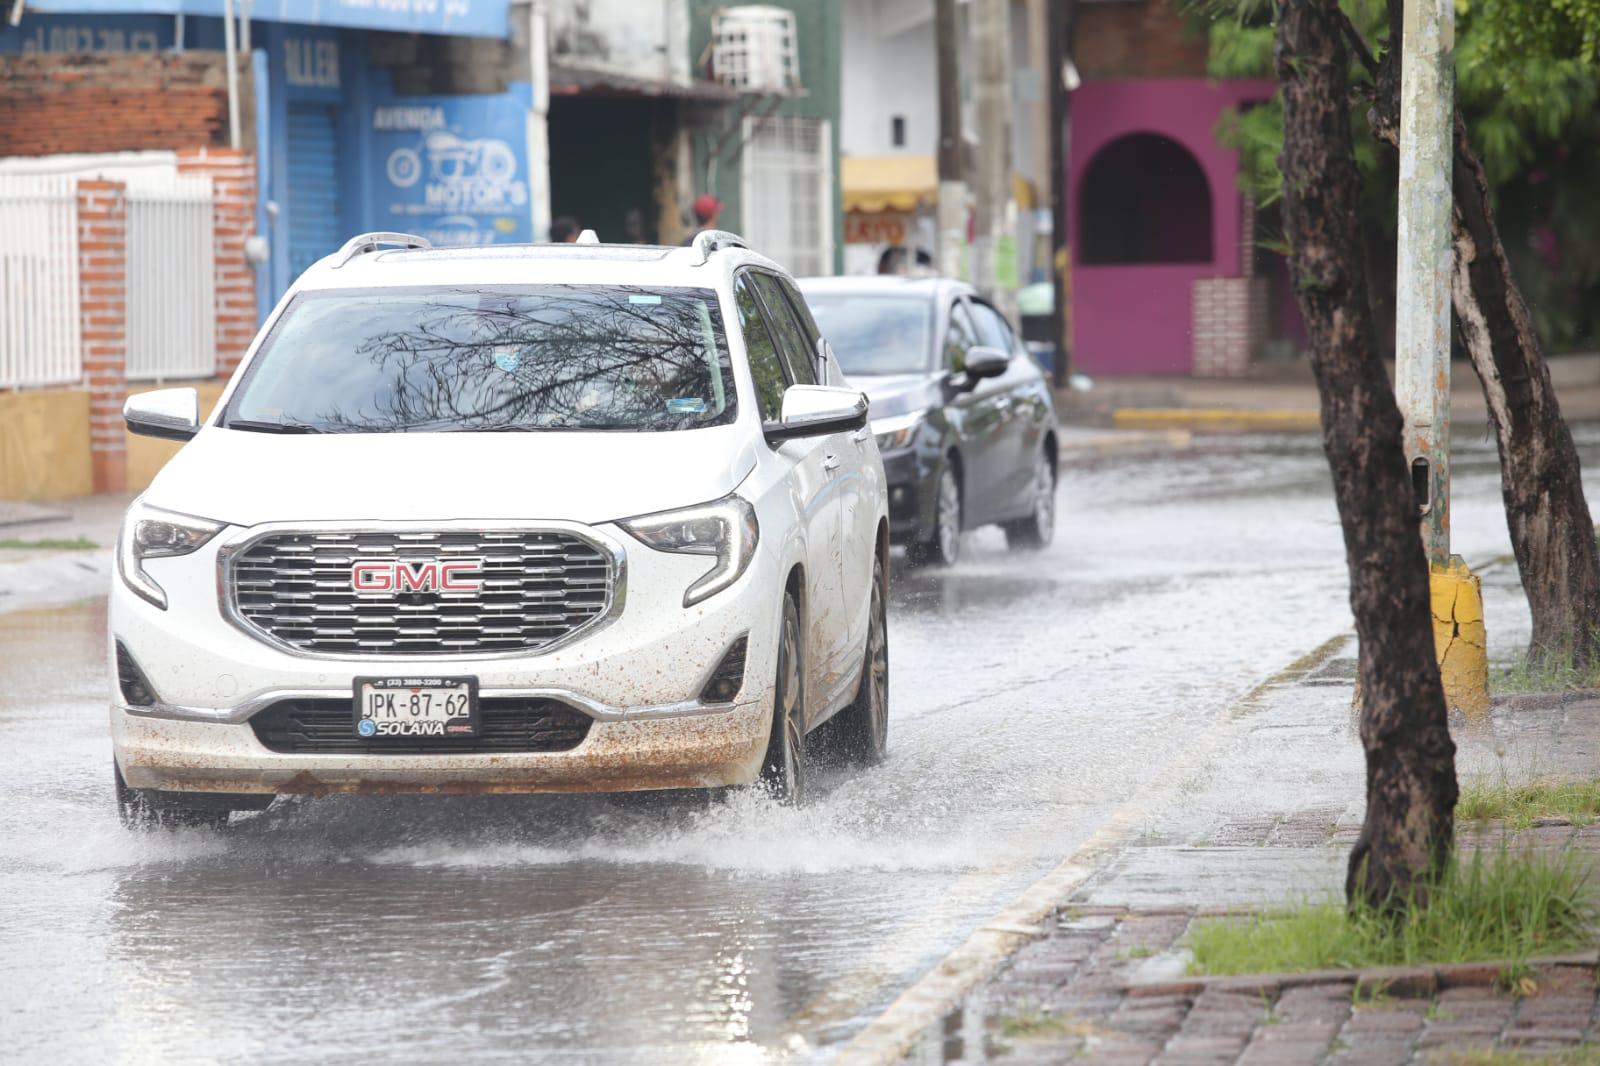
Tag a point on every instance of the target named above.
point(1036, 530)
point(783, 772)
point(147, 808)
point(943, 548)
point(859, 734)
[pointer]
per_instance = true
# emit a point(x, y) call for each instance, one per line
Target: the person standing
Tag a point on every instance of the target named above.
point(707, 209)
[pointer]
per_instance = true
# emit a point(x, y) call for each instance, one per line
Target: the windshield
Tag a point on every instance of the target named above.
point(874, 334)
point(490, 359)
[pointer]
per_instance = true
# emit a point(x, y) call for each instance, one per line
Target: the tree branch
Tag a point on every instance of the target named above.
point(1358, 44)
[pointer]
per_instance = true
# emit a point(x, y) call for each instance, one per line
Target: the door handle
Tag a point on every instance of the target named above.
point(860, 436)
point(830, 463)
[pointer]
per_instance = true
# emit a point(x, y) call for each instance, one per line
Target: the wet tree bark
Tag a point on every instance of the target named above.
point(1540, 476)
point(1411, 783)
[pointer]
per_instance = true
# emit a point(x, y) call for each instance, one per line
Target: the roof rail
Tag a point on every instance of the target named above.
point(371, 242)
point(712, 240)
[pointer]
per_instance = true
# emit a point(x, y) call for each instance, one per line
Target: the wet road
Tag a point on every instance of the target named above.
point(1031, 695)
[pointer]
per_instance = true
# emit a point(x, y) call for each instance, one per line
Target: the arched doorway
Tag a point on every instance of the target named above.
point(1144, 199)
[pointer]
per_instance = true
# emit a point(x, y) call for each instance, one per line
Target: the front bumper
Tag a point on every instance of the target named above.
point(638, 677)
point(909, 496)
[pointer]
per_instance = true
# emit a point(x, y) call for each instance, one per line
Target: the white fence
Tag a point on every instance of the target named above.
point(171, 283)
point(39, 324)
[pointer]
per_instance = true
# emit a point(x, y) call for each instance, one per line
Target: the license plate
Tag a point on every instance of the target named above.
point(416, 707)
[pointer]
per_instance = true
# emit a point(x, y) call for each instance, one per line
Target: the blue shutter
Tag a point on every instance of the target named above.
point(315, 228)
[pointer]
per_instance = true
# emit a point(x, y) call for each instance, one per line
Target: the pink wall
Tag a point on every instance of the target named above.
point(1135, 318)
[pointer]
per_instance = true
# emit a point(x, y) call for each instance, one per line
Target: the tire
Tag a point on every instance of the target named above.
point(148, 808)
point(783, 771)
point(1037, 530)
point(859, 734)
point(943, 548)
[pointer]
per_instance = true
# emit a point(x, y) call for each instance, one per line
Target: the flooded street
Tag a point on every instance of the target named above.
point(1031, 695)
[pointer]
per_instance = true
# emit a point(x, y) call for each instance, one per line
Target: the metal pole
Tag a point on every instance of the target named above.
point(1422, 305)
point(538, 129)
point(1061, 15)
point(952, 179)
point(230, 48)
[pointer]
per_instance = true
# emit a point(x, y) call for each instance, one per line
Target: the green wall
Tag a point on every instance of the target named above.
point(818, 26)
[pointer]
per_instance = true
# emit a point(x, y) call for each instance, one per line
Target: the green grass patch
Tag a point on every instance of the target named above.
point(1519, 806)
point(1494, 906)
point(1555, 672)
point(1037, 1025)
point(1582, 1055)
point(58, 544)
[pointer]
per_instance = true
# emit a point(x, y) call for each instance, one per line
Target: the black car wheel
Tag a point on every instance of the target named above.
point(859, 734)
point(1036, 530)
point(146, 808)
point(943, 546)
point(784, 770)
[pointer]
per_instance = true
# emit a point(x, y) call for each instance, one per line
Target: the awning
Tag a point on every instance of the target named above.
point(462, 18)
point(903, 183)
point(569, 80)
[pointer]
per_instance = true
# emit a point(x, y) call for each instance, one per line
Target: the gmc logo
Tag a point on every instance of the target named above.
point(415, 575)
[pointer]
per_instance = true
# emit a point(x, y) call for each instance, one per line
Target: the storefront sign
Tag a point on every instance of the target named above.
point(475, 18)
point(861, 227)
point(453, 169)
point(87, 33)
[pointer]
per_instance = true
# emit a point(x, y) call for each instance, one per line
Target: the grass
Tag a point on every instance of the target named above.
point(1037, 1025)
point(1554, 672)
point(1519, 806)
point(1582, 1055)
point(62, 544)
point(1499, 906)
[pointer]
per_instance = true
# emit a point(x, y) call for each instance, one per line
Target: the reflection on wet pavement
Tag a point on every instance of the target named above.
point(1031, 695)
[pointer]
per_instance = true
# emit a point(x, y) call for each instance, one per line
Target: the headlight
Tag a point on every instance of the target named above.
point(897, 431)
point(726, 529)
point(149, 533)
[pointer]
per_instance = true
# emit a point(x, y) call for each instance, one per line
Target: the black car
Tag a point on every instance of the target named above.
point(962, 414)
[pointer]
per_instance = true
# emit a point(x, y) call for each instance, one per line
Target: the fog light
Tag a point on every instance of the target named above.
point(135, 687)
point(728, 678)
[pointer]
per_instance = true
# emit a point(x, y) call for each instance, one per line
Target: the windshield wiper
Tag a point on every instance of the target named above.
point(255, 426)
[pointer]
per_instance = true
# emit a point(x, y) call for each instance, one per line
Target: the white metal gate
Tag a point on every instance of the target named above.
point(171, 284)
point(39, 325)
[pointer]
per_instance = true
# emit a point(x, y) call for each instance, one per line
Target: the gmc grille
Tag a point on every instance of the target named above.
point(537, 587)
point(324, 726)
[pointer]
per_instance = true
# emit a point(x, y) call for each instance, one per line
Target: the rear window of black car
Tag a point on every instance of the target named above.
point(544, 358)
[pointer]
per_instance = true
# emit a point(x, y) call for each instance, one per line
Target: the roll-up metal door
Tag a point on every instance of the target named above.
point(315, 226)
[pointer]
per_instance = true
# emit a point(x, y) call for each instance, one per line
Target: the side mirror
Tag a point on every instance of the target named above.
point(169, 414)
point(986, 362)
point(817, 410)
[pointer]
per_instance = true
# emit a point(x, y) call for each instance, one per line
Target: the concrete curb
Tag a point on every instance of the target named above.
point(1217, 419)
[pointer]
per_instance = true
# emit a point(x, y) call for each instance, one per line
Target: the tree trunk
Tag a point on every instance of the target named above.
point(1540, 476)
point(1411, 783)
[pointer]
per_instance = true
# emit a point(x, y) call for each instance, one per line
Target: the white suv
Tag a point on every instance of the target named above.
point(576, 517)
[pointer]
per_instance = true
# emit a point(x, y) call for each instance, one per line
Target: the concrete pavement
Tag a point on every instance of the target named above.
point(57, 552)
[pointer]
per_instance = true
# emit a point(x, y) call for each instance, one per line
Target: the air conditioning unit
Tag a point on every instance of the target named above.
point(754, 49)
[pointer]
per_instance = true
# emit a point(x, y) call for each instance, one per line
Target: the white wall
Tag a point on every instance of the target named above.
point(889, 68)
point(635, 38)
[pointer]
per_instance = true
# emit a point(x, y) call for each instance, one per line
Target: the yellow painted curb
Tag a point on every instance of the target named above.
point(1459, 636)
point(1217, 419)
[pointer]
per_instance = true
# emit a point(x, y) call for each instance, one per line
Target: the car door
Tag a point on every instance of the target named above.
point(1018, 437)
point(978, 415)
point(860, 480)
point(771, 337)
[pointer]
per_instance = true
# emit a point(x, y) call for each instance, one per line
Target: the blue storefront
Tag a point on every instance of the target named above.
point(340, 149)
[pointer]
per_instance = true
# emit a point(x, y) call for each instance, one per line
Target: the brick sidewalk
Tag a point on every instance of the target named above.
point(1094, 991)
point(1269, 824)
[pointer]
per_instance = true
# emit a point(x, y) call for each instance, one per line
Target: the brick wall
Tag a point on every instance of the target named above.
point(1137, 39)
point(102, 293)
point(112, 102)
point(1230, 319)
point(233, 184)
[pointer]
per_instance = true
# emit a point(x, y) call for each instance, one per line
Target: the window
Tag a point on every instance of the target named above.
point(788, 192)
point(491, 359)
point(993, 330)
point(1144, 199)
point(897, 131)
point(765, 370)
point(876, 334)
point(959, 338)
point(792, 346)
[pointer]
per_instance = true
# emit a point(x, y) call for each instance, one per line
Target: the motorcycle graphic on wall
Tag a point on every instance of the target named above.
point(462, 179)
